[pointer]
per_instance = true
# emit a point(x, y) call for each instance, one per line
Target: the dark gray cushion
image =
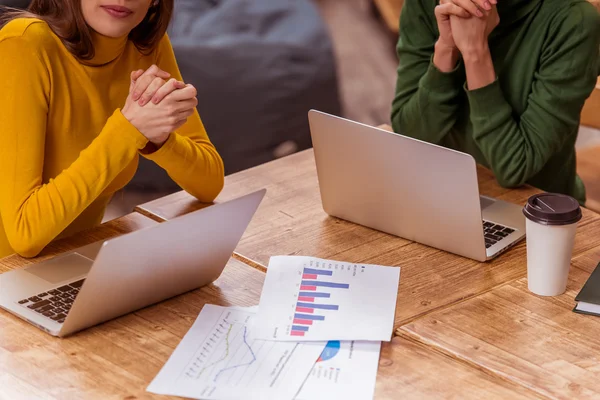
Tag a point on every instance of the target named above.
point(259, 67)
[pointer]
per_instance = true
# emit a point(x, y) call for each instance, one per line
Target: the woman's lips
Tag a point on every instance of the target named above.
point(118, 11)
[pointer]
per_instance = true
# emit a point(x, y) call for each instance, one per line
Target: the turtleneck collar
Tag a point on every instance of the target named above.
point(106, 49)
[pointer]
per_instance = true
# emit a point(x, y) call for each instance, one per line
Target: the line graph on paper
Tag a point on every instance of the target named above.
point(219, 358)
point(227, 354)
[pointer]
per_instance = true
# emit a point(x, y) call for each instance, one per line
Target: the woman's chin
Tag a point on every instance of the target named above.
point(113, 29)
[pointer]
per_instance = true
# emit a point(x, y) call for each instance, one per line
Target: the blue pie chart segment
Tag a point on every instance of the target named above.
point(330, 351)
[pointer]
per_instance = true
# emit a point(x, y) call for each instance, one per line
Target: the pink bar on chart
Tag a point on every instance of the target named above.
point(305, 310)
point(308, 299)
point(303, 287)
point(302, 321)
point(309, 276)
point(297, 333)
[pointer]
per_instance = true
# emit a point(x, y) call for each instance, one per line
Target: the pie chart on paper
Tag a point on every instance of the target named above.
point(345, 370)
point(330, 351)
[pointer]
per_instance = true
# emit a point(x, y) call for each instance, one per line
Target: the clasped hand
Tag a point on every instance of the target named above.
point(466, 24)
point(157, 106)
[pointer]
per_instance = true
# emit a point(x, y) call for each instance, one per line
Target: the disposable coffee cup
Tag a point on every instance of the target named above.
point(551, 225)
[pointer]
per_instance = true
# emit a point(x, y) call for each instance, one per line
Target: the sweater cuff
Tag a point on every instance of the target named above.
point(485, 100)
point(436, 79)
point(165, 151)
point(126, 129)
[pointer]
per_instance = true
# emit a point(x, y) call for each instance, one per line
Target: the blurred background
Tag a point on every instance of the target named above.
point(260, 65)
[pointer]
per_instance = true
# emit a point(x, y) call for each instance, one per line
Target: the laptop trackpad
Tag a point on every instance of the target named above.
point(486, 202)
point(61, 268)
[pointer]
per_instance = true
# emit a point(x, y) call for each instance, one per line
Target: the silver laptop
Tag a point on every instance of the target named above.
point(108, 279)
point(409, 188)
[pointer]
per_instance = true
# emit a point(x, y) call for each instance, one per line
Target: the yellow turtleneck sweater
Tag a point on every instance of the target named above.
point(65, 147)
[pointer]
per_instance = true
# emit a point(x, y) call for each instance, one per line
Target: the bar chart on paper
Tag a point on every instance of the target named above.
point(220, 358)
point(308, 299)
point(311, 288)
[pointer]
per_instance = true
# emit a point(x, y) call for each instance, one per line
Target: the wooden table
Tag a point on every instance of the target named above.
point(463, 329)
point(291, 221)
point(477, 317)
point(533, 341)
point(118, 359)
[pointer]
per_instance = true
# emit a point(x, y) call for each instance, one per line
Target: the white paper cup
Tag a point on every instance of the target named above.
point(551, 226)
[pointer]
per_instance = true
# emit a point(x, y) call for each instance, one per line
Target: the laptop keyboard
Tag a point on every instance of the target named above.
point(55, 303)
point(494, 233)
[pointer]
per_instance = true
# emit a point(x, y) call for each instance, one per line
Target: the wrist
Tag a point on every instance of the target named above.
point(480, 70)
point(128, 116)
point(158, 143)
point(445, 57)
point(475, 52)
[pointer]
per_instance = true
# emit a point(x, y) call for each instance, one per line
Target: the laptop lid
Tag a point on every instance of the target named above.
point(150, 265)
point(398, 185)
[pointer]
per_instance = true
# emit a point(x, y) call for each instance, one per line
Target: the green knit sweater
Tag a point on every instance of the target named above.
point(524, 125)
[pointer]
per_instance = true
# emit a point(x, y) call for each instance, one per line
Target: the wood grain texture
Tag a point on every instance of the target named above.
point(588, 260)
point(128, 223)
point(409, 370)
point(534, 341)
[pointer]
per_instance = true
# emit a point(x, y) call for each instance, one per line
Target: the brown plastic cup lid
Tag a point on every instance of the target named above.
point(552, 209)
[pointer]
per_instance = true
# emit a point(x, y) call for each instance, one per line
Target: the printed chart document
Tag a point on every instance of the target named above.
point(345, 370)
point(220, 358)
point(308, 299)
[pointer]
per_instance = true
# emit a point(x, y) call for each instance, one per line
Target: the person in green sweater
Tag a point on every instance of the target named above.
point(503, 82)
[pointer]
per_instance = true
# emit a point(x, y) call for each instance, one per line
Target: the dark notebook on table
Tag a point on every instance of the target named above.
point(589, 297)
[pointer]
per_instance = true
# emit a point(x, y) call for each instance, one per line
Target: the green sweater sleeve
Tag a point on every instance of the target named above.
point(517, 148)
point(426, 102)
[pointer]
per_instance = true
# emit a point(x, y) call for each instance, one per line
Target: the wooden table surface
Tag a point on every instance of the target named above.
point(479, 318)
point(536, 342)
point(118, 359)
point(463, 329)
point(290, 220)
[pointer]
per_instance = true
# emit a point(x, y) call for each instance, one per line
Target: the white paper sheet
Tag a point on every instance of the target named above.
point(345, 370)
point(310, 299)
point(219, 358)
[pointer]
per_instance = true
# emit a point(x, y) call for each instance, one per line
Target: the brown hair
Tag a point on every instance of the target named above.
point(66, 20)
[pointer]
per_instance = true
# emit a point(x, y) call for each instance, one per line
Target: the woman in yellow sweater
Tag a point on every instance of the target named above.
point(82, 95)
